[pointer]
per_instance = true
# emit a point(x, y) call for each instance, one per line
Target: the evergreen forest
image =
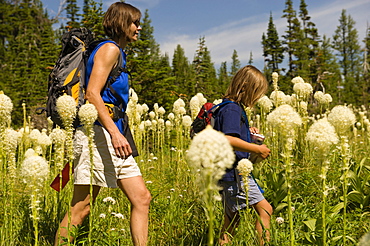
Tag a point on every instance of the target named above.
point(30, 44)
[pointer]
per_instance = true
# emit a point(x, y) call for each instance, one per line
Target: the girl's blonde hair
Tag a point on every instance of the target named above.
point(247, 86)
point(118, 19)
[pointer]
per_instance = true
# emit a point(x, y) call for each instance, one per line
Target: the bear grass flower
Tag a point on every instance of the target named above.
point(34, 169)
point(88, 114)
point(321, 135)
point(265, 104)
point(342, 118)
point(210, 153)
point(186, 121)
point(58, 136)
point(6, 107)
point(278, 98)
point(275, 78)
point(161, 111)
point(66, 108)
point(297, 80)
point(194, 106)
point(11, 140)
point(285, 119)
point(303, 90)
point(245, 167)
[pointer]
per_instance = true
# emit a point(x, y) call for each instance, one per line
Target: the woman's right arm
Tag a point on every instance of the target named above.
point(241, 145)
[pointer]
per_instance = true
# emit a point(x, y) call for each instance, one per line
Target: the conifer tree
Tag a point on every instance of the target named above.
point(328, 71)
point(235, 63)
point(30, 54)
point(308, 46)
point(73, 16)
point(366, 69)
point(290, 15)
point(92, 17)
point(250, 61)
point(205, 74)
point(273, 51)
point(150, 71)
point(183, 72)
point(223, 78)
point(345, 42)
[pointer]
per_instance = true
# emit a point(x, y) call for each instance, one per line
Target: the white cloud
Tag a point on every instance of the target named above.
point(245, 35)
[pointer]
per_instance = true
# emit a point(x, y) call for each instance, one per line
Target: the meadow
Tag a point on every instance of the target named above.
point(317, 177)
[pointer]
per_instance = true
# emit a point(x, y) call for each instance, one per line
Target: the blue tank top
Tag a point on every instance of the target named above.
point(120, 85)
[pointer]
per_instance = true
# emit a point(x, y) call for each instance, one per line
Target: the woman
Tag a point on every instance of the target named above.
point(114, 164)
point(246, 87)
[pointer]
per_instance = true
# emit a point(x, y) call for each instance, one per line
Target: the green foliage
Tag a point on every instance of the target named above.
point(73, 16)
point(92, 17)
point(31, 51)
point(345, 42)
point(272, 48)
point(205, 74)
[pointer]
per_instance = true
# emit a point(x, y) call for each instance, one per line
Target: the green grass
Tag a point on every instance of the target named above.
point(177, 216)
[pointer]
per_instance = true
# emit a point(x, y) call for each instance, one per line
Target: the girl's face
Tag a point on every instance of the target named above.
point(135, 28)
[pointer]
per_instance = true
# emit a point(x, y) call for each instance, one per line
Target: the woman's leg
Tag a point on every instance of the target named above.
point(264, 211)
point(139, 196)
point(80, 209)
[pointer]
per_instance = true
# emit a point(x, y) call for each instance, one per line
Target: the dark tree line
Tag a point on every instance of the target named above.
point(29, 47)
point(338, 64)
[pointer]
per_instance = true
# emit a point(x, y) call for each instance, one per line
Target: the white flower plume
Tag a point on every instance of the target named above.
point(66, 108)
point(285, 119)
point(265, 104)
point(35, 169)
point(322, 135)
point(210, 154)
point(6, 107)
point(88, 114)
point(342, 118)
point(245, 167)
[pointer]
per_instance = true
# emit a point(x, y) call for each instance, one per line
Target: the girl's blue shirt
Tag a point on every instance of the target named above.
point(121, 85)
point(229, 120)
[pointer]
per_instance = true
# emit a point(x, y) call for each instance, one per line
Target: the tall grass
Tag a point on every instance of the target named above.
point(292, 182)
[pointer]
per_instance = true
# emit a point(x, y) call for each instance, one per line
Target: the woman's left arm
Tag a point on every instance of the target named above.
point(105, 59)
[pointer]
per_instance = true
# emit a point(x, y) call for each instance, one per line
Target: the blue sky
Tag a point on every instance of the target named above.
point(233, 24)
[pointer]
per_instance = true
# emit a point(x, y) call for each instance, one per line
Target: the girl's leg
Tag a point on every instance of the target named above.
point(264, 211)
point(80, 209)
point(139, 196)
point(231, 222)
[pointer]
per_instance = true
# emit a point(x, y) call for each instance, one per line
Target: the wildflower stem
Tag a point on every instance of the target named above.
point(90, 136)
point(288, 171)
point(323, 212)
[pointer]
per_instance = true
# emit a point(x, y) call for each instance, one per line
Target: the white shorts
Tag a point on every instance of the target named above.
point(108, 168)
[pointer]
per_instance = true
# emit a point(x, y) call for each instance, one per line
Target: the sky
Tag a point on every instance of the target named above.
point(229, 25)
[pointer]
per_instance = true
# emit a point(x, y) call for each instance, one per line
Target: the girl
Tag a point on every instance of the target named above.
point(246, 87)
point(114, 164)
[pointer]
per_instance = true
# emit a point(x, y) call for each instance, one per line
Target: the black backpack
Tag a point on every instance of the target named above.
point(68, 74)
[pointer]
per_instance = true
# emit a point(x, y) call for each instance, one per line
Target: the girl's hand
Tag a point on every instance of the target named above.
point(264, 152)
point(254, 130)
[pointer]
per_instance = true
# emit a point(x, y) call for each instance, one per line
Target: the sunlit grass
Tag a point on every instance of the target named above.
point(292, 180)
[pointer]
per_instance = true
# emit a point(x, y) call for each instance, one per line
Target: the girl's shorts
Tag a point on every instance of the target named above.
point(108, 168)
point(234, 197)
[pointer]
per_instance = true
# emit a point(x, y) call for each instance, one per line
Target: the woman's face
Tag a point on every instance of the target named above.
point(135, 28)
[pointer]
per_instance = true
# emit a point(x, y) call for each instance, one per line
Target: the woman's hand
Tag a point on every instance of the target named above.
point(121, 146)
